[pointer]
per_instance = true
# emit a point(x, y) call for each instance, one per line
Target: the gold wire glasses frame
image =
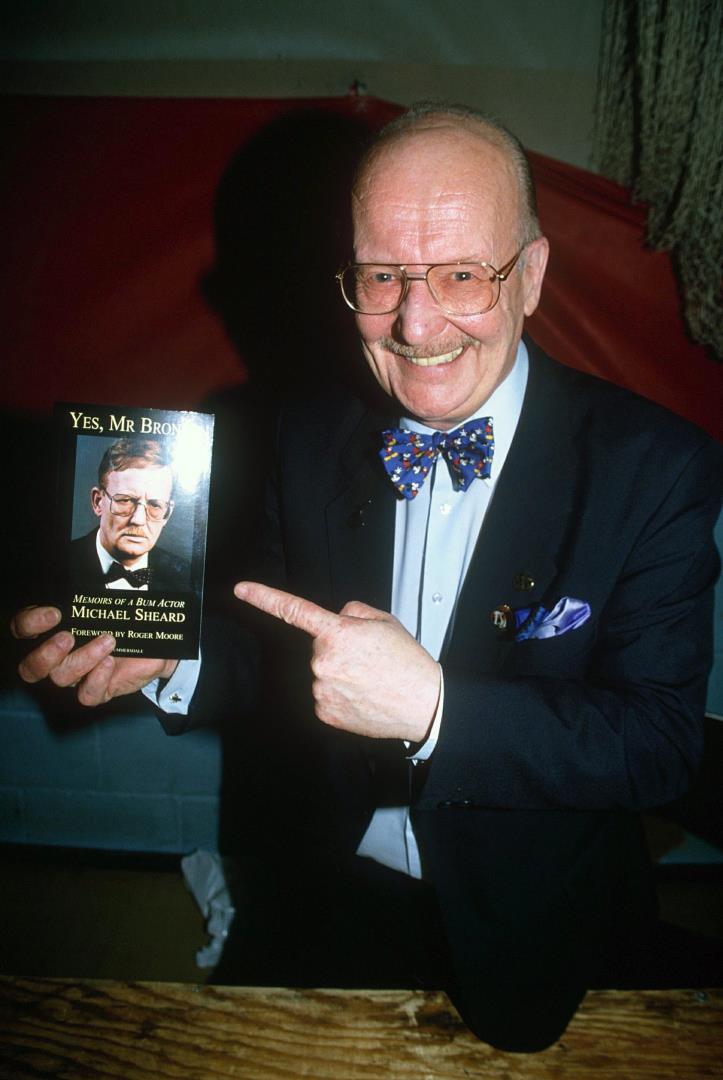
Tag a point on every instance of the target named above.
point(122, 505)
point(454, 284)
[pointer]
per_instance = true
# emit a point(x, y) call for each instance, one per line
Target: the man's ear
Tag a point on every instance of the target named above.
point(533, 272)
point(96, 497)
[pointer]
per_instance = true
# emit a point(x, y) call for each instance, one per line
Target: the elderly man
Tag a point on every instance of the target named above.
point(505, 577)
point(132, 501)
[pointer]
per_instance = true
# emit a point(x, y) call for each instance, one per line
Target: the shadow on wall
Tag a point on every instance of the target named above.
point(281, 223)
point(282, 229)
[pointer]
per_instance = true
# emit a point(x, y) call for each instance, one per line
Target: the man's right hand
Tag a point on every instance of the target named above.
point(96, 674)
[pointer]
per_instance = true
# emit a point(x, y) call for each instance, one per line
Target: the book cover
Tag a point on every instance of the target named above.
point(133, 488)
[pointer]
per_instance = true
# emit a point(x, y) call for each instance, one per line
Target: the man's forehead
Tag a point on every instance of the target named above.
point(435, 194)
point(139, 473)
point(434, 169)
point(436, 151)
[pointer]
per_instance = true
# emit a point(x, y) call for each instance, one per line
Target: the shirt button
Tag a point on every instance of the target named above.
point(437, 598)
point(175, 698)
point(445, 509)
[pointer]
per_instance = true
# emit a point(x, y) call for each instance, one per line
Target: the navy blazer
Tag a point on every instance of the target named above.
point(526, 815)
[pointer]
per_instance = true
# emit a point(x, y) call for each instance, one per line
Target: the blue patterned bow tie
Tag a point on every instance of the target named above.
point(409, 455)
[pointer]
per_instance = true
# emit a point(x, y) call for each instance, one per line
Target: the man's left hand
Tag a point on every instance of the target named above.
point(370, 676)
point(97, 676)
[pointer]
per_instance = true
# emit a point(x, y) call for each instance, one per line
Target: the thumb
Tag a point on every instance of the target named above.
point(356, 609)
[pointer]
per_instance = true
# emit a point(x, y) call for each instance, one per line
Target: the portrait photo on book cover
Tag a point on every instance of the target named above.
point(132, 524)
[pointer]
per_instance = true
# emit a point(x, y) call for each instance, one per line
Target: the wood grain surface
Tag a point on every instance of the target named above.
point(138, 1031)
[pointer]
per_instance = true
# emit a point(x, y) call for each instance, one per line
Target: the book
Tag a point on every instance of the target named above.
point(132, 513)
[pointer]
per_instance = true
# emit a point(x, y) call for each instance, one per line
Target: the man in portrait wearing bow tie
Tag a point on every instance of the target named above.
point(132, 501)
point(503, 574)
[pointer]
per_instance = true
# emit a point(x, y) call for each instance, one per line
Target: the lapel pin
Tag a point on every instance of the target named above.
point(501, 617)
point(523, 582)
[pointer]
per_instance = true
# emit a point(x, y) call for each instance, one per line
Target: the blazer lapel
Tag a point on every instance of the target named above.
point(360, 522)
point(522, 539)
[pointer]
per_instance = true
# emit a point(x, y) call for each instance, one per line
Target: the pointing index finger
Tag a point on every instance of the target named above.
point(294, 610)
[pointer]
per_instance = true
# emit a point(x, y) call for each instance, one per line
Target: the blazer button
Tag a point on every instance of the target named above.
point(444, 805)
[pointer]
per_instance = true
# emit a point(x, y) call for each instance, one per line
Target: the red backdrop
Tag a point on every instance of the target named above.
point(107, 215)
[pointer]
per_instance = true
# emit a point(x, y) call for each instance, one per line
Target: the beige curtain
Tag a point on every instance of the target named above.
point(659, 131)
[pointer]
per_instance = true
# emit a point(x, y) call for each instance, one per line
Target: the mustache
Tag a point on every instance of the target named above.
point(414, 352)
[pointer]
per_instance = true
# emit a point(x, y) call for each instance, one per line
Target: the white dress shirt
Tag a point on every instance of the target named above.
point(435, 537)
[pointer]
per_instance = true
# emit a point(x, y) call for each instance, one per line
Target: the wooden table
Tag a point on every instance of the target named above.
point(155, 1031)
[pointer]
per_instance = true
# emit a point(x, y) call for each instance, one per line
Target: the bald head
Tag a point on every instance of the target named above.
point(494, 144)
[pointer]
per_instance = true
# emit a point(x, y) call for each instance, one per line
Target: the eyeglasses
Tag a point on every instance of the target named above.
point(126, 506)
point(460, 288)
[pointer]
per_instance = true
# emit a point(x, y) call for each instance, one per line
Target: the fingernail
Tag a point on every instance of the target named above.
point(52, 617)
point(241, 591)
point(106, 640)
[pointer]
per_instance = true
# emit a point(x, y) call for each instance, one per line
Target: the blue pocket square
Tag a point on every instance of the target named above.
point(567, 614)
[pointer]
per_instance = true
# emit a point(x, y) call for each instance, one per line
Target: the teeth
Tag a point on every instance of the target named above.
point(433, 361)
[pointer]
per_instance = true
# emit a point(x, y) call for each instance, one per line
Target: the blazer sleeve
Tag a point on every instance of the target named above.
point(228, 682)
point(622, 728)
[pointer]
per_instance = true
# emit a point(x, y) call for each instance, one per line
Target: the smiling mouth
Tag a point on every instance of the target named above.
point(435, 361)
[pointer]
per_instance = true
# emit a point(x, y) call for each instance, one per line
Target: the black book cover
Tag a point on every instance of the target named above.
point(132, 504)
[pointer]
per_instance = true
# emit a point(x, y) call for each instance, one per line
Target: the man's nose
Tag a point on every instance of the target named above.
point(420, 318)
point(139, 516)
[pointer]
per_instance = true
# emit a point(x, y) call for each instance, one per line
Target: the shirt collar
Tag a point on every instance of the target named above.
point(106, 560)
